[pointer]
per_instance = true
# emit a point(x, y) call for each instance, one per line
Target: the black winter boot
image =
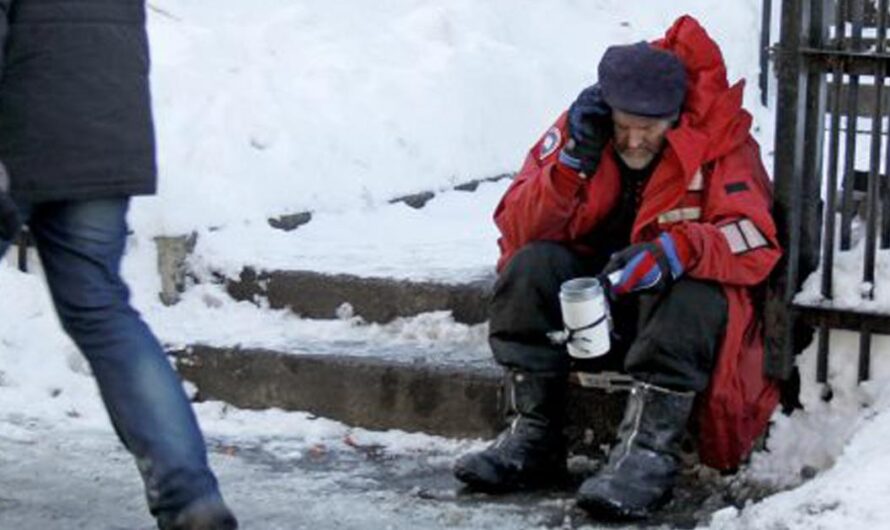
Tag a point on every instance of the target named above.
point(642, 467)
point(531, 453)
point(206, 513)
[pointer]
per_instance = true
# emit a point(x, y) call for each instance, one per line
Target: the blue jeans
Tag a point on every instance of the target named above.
point(81, 244)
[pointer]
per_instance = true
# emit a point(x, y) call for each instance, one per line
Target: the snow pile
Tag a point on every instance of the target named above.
point(852, 492)
point(275, 107)
point(452, 239)
point(206, 315)
point(42, 374)
point(840, 442)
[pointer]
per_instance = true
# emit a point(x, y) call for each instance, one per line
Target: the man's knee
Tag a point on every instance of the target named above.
point(524, 306)
point(89, 310)
point(679, 339)
point(533, 277)
point(702, 298)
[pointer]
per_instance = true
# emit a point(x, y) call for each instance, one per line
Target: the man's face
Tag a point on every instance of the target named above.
point(639, 139)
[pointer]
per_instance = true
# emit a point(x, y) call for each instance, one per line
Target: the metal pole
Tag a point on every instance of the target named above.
point(868, 274)
point(849, 180)
point(800, 115)
point(864, 354)
point(822, 354)
point(765, 22)
point(837, 77)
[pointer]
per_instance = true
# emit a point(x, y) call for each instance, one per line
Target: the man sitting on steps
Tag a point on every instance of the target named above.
point(651, 172)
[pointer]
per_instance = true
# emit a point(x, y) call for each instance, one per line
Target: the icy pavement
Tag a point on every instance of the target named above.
point(63, 477)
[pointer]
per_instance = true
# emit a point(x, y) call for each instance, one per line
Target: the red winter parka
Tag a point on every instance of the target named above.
point(711, 193)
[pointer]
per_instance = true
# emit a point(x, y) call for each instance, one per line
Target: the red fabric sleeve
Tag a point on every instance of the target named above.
point(738, 189)
point(540, 203)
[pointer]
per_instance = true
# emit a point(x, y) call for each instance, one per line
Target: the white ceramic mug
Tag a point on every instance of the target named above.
point(585, 314)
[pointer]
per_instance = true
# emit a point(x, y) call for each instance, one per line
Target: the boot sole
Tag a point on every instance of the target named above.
point(608, 511)
point(475, 483)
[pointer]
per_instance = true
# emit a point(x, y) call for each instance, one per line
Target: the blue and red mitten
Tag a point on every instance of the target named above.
point(651, 265)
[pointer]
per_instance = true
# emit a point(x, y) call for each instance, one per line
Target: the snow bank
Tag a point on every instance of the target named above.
point(839, 444)
point(279, 106)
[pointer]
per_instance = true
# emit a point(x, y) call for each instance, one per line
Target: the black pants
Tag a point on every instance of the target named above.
point(669, 338)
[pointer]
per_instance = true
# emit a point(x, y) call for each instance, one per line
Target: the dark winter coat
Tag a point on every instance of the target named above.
point(709, 191)
point(75, 111)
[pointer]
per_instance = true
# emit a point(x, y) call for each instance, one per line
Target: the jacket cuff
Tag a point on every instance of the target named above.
point(565, 180)
point(568, 160)
point(686, 251)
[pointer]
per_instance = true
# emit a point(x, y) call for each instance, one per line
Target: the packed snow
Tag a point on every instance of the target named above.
point(281, 107)
point(275, 107)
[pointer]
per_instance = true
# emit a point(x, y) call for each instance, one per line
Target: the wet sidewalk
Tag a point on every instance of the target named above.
point(72, 478)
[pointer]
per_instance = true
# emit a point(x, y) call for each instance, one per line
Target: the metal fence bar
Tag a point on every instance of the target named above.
point(873, 188)
point(883, 184)
point(834, 138)
point(884, 191)
point(780, 319)
point(800, 115)
point(822, 354)
point(765, 27)
point(857, 9)
point(868, 274)
point(811, 171)
point(885, 197)
point(806, 60)
point(864, 354)
point(795, 214)
point(860, 63)
point(831, 191)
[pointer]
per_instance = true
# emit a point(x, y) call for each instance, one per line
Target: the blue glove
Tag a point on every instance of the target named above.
point(590, 128)
point(651, 265)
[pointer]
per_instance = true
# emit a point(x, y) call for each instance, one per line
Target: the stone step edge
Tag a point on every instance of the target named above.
point(318, 295)
point(459, 401)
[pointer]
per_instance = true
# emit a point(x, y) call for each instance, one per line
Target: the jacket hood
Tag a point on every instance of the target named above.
point(712, 122)
point(712, 108)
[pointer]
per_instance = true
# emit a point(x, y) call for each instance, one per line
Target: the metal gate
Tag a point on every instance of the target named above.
point(832, 63)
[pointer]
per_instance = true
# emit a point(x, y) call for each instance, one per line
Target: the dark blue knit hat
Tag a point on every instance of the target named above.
point(643, 80)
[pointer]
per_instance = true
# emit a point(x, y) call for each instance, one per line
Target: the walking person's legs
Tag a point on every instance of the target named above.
point(81, 244)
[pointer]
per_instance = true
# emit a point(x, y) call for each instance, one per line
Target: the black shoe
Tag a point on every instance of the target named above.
point(531, 453)
point(643, 466)
point(206, 513)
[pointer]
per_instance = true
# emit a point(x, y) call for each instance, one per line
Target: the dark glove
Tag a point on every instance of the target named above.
point(651, 265)
point(9, 218)
point(590, 128)
point(10, 222)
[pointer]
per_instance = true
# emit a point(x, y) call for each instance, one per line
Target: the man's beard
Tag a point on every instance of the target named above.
point(637, 158)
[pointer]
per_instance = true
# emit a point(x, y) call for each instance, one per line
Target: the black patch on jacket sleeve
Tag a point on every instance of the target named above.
point(736, 187)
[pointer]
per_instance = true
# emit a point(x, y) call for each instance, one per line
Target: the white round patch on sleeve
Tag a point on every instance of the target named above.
point(551, 142)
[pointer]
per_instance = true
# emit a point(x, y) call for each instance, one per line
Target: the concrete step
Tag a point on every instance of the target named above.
point(458, 399)
point(317, 295)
